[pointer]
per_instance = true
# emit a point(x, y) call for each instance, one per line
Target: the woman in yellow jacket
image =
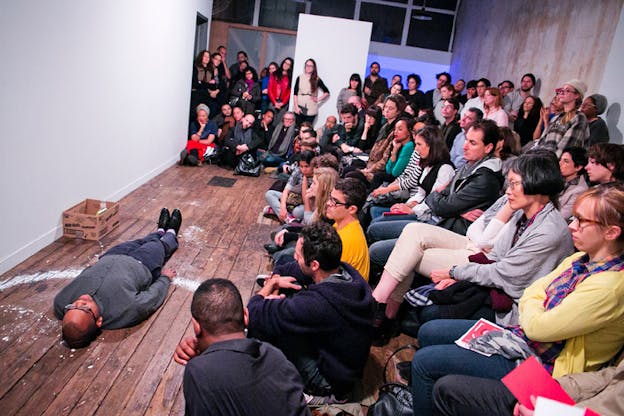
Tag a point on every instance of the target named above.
point(572, 319)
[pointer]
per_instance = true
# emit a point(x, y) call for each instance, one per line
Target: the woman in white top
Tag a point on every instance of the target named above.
point(493, 104)
point(306, 98)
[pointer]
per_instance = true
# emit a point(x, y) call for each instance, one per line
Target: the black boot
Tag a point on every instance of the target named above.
point(176, 221)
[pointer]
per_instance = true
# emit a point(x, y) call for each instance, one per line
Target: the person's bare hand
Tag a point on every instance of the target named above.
point(440, 274)
point(186, 349)
point(279, 238)
point(521, 410)
point(379, 191)
point(283, 214)
point(402, 208)
point(335, 138)
point(170, 273)
point(472, 215)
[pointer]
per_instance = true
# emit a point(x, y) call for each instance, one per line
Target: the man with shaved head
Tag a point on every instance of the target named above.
point(123, 288)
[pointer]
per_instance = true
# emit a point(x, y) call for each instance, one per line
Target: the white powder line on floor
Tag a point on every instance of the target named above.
point(182, 282)
point(39, 277)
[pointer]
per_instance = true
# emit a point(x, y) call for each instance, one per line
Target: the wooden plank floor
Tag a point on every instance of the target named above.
point(131, 371)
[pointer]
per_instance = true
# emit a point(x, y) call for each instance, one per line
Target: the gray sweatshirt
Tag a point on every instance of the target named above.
point(122, 288)
point(542, 246)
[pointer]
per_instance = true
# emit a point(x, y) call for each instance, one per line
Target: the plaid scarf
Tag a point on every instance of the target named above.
point(556, 292)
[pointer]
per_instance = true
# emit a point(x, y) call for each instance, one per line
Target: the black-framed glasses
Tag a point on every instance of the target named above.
point(83, 308)
point(334, 202)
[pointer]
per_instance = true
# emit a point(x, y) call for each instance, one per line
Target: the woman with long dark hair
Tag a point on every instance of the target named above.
point(205, 84)
point(528, 118)
point(429, 168)
point(353, 89)
point(306, 98)
point(279, 88)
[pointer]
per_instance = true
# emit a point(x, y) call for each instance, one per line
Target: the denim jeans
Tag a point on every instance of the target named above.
point(377, 211)
point(385, 228)
point(273, 198)
point(438, 356)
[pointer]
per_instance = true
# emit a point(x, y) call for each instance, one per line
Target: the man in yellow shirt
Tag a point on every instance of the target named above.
point(343, 206)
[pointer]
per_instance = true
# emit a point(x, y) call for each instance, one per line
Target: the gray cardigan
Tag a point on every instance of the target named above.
point(542, 246)
point(122, 288)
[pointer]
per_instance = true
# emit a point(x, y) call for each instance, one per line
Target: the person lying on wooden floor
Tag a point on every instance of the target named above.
point(123, 288)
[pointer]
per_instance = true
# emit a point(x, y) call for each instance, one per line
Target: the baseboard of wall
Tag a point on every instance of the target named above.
point(50, 236)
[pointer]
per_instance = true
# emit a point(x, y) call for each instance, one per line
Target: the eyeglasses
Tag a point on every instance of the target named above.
point(561, 91)
point(334, 202)
point(583, 222)
point(512, 184)
point(83, 308)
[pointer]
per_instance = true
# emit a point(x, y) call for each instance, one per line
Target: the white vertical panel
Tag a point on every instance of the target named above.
point(339, 47)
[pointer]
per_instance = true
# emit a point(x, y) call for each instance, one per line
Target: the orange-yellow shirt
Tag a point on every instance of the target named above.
point(354, 247)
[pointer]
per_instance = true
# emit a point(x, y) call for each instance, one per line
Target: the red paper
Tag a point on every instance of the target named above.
point(530, 379)
point(590, 412)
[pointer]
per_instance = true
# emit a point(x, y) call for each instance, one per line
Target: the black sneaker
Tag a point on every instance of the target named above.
point(164, 218)
point(271, 248)
point(176, 221)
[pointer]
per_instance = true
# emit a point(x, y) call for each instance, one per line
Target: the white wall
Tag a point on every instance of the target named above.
point(335, 64)
point(94, 102)
point(611, 85)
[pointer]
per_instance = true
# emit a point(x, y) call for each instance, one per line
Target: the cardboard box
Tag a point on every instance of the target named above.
point(87, 220)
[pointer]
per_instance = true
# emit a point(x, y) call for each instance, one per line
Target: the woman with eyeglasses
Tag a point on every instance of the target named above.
point(572, 319)
point(570, 128)
point(532, 243)
point(306, 96)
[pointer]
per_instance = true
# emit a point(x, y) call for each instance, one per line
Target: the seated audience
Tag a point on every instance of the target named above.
point(572, 166)
point(428, 169)
point(507, 148)
point(241, 140)
point(446, 93)
point(370, 132)
point(535, 241)
point(477, 101)
point(280, 142)
point(315, 198)
point(414, 97)
point(246, 92)
point(349, 131)
point(493, 107)
point(380, 151)
point(592, 107)
point(457, 150)
point(227, 373)
point(605, 163)
point(601, 391)
point(569, 128)
point(279, 202)
point(475, 186)
point(224, 121)
point(324, 329)
point(343, 207)
point(572, 319)
point(450, 127)
point(353, 89)
point(401, 149)
point(202, 136)
point(263, 128)
point(125, 286)
point(528, 119)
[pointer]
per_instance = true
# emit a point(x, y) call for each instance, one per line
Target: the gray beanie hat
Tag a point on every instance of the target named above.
point(600, 101)
point(578, 85)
